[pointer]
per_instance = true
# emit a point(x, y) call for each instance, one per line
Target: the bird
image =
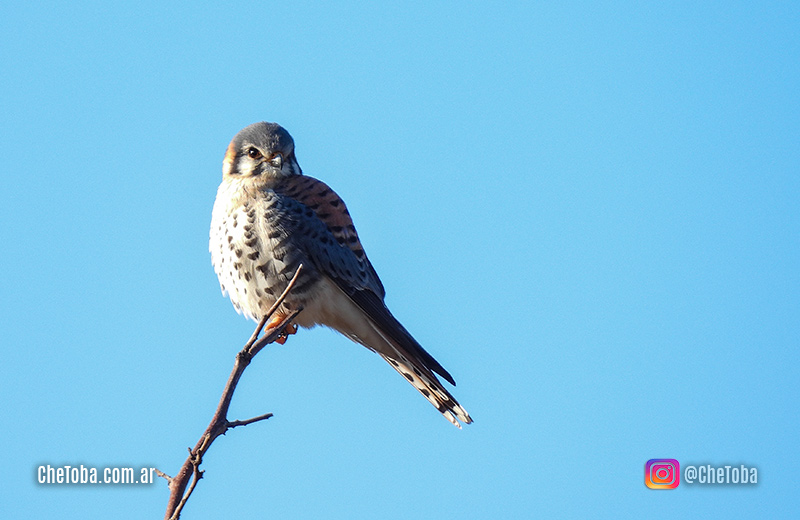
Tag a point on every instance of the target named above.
point(268, 219)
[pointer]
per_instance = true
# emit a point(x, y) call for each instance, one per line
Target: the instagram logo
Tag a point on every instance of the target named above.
point(662, 474)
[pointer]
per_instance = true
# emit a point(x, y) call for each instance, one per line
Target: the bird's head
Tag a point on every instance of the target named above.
point(261, 150)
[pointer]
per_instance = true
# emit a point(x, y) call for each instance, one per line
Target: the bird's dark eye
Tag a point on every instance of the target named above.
point(253, 153)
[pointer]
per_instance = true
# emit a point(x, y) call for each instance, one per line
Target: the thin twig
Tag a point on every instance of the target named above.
point(234, 424)
point(273, 334)
point(164, 476)
point(197, 474)
point(254, 336)
point(219, 423)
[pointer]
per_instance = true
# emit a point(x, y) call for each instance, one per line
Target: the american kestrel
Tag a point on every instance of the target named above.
point(268, 219)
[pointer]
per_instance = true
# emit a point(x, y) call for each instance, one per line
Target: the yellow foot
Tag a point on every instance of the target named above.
point(287, 331)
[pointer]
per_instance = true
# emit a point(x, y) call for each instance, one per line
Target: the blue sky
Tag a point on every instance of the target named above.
point(587, 212)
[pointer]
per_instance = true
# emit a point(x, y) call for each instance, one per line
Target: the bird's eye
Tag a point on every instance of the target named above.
point(253, 153)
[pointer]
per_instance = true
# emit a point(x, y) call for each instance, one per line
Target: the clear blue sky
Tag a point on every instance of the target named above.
point(587, 211)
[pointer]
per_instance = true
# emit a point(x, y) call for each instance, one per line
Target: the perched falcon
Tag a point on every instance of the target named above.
point(268, 219)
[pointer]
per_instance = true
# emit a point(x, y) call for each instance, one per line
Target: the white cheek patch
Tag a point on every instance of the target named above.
point(245, 166)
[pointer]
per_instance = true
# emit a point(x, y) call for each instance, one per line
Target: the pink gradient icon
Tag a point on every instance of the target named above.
point(662, 474)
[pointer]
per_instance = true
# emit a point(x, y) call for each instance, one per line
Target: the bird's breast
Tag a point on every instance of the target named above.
point(254, 252)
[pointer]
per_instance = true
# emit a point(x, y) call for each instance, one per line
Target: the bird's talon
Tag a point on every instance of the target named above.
point(273, 322)
point(287, 330)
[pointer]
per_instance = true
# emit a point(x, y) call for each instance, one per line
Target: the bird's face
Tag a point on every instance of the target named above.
point(263, 151)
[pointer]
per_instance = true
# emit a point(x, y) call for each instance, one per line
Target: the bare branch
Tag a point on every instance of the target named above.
point(256, 332)
point(164, 476)
point(234, 424)
point(190, 471)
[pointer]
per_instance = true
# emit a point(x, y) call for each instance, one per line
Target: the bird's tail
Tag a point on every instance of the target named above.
point(426, 383)
point(382, 333)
